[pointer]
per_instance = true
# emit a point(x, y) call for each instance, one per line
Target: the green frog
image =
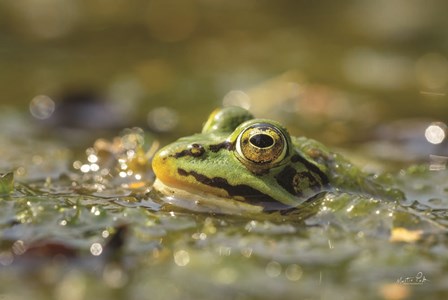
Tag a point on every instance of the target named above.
point(240, 163)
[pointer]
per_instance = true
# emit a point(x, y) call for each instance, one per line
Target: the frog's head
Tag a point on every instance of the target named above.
point(242, 158)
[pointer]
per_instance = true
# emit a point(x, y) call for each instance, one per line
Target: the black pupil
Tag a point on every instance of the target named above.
point(262, 140)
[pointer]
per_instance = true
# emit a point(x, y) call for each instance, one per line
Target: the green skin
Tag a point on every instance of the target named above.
point(212, 162)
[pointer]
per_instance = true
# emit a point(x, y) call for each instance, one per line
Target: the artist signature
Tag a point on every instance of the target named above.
point(418, 279)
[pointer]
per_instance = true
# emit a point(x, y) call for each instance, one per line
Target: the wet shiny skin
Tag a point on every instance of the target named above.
point(252, 160)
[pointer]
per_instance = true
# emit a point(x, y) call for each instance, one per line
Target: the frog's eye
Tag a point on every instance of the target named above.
point(262, 144)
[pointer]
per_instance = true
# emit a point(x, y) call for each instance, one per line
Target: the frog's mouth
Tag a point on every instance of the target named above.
point(201, 201)
point(204, 202)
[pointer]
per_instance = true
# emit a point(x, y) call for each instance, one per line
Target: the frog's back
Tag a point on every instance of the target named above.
point(342, 174)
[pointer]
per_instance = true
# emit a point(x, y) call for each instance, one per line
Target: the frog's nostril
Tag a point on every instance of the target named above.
point(196, 149)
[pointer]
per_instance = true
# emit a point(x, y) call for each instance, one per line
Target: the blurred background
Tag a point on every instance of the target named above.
point(346, 73)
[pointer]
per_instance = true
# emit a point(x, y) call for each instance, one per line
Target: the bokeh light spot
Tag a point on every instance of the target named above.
point(435, 133)
point(85, 168)
point(42, 107)
point(293, 272)
point(162, 119)
point(237, 98)
point(18, 248)
point(273, 269)
point(181, 258)
point(96, 249)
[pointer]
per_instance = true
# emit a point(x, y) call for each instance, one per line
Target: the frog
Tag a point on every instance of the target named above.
point(242, 163)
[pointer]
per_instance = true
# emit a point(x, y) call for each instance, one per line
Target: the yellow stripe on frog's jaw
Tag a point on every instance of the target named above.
point(166, 170)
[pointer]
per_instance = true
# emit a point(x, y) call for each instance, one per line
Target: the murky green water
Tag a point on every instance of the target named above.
point(366, 78)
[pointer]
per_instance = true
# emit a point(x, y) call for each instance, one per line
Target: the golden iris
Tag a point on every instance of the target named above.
point(261, 144)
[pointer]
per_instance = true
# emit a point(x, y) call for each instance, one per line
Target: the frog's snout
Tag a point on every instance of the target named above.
point(159, 162)
point(165, 163)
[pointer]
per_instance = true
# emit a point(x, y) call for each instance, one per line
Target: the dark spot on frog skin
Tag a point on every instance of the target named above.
point(312, 167)
point(224, 145)
point(285, 180)
point(290, 180)
point(194, 150)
